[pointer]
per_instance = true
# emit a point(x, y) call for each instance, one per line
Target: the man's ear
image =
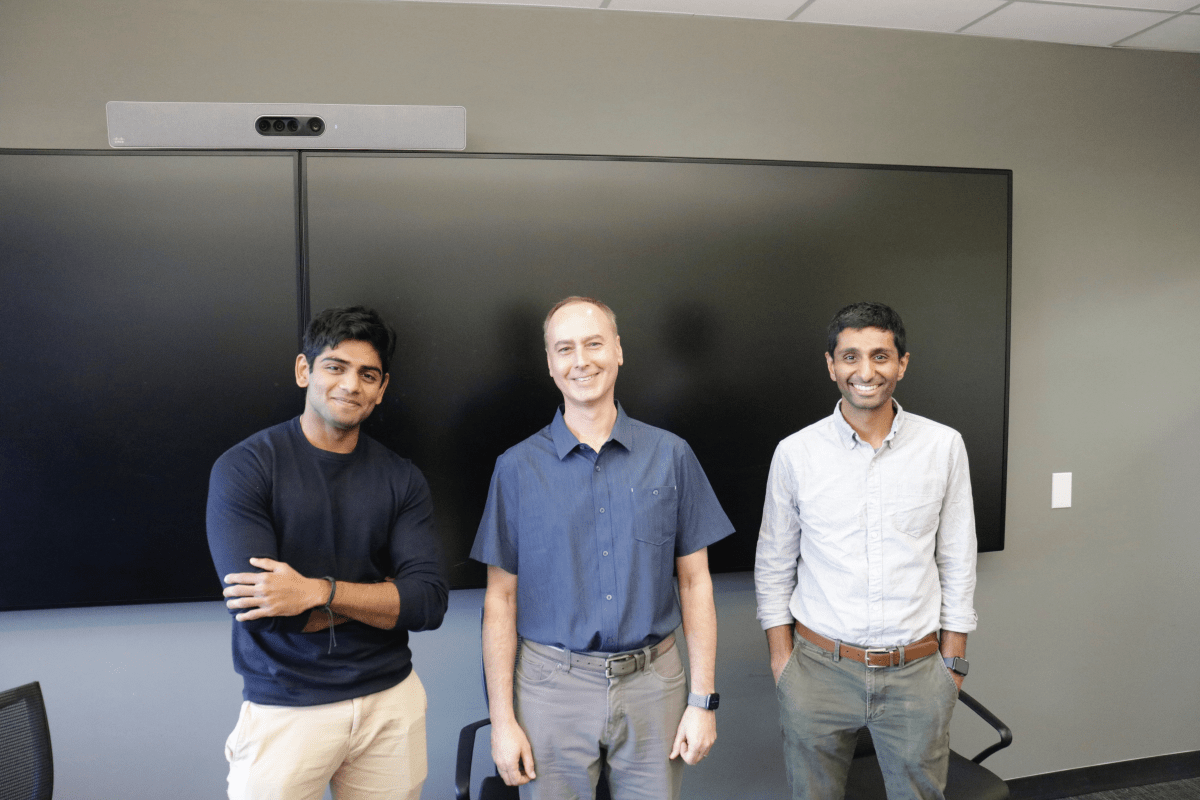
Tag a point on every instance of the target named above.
point(829, 364)
point(382, 389)
point(903, 366)
point(302, 371)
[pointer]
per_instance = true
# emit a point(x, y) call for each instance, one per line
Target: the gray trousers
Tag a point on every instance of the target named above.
point(571, 714)
point(823, 703)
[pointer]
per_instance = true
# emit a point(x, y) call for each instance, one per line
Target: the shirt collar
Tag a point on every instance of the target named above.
point(565, 441)
point(849, 438)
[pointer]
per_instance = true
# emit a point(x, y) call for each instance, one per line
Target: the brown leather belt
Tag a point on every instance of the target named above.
point(873, 657)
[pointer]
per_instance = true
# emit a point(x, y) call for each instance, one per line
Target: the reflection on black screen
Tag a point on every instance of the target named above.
point(723, 277)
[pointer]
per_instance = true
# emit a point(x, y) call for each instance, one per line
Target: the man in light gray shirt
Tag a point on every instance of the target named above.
point(865, 569)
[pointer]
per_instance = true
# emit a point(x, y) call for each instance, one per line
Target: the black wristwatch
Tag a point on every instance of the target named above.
point(708, 702)
point(958, 666)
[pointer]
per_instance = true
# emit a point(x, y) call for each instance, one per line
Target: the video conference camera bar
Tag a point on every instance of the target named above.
point(285, 126)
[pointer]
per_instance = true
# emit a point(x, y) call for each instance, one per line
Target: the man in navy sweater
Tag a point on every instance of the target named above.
point(324, 540)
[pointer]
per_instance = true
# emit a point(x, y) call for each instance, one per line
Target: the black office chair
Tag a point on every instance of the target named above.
point(26, 763)
point(966, 780)
point(493, 786)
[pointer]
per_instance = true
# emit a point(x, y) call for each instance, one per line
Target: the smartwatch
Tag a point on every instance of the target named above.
point(708, 702)
point(958, 666)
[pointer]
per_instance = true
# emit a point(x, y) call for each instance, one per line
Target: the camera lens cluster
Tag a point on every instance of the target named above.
point(289, 126)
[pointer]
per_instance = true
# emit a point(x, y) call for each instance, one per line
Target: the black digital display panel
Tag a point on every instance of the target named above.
point(723, 276)
point(151, 303)
point(149, 313)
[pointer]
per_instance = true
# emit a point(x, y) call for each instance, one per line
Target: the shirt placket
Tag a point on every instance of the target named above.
point(874, 529)
point(605, 550)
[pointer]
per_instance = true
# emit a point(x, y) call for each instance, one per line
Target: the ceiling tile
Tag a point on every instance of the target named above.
point(1073, 24)
point(1181, 33)
point(551, 3)
point(1148, 5)
point(1149, 24)
point(924, 15)
point(750, 9)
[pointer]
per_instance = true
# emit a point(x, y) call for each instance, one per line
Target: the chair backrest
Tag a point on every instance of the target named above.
point(26, 763)
point(864, 745)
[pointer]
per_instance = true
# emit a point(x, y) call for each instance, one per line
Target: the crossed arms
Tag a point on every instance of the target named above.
point(280, 591)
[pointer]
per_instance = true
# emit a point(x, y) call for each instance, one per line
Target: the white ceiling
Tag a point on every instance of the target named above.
point(1141, 24)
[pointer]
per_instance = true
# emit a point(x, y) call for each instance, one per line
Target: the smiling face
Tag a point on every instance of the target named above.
point(583, 353)
point(344, 385)
point(866, 367)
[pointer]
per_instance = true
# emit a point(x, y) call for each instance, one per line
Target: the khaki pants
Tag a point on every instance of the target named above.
point(368, 748)
point(571, 714)
point(823, 703)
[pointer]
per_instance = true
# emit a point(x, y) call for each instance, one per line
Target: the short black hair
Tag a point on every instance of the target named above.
point(867, 315)
point(357, 323)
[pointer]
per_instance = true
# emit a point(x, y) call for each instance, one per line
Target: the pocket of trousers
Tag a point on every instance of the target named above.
point(533, 671)
point(234, 740)
point(795, 654)
point(669, 668)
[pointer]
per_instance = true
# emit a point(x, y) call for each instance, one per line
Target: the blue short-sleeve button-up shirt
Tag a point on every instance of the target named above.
point(593, 537)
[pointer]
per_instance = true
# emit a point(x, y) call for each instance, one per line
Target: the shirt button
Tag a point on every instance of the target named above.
point(609, 597)
point(597, 468)
point(602, 511)
point(605, 553)
point(656, 491)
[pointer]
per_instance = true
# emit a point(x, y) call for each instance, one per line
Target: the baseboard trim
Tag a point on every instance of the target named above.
point(1106, 777)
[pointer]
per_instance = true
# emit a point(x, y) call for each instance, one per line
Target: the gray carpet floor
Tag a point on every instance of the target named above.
point(1187, 789)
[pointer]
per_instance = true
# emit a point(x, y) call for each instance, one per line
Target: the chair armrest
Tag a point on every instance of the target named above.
point(466, 754)
point(990, 719)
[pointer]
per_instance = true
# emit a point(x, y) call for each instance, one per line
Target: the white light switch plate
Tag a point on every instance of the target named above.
point(1060, 490)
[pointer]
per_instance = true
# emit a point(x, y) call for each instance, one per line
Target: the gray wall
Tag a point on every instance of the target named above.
point(1087, 643)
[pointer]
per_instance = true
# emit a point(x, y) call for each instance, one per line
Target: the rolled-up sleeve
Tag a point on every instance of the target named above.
point(778, 549)
point(416, 556)
point(956, 546)
point(240, 526)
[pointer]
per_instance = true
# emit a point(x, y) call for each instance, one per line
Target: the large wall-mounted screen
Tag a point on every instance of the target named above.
point(148, 309)
point(150, 305)
point(723, 276)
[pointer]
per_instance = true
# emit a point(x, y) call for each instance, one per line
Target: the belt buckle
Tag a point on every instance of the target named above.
point(887, 651)
point(622, 660)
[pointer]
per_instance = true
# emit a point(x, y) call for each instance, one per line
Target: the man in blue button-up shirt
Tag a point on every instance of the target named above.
point(584, 522)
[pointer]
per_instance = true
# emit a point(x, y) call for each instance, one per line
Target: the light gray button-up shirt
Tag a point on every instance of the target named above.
point(873, 548)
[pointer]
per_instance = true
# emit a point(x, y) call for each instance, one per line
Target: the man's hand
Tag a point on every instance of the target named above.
point(696, 735)
point(954, 644)
point(780, 644)
point(512, 753)
point(778, 662)
point(278, 591)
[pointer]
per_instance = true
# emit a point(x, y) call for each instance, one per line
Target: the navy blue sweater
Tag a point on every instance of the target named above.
point(361, 517)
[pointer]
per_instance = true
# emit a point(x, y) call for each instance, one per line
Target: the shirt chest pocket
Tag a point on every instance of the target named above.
point(917, 516)
point(655, 514)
